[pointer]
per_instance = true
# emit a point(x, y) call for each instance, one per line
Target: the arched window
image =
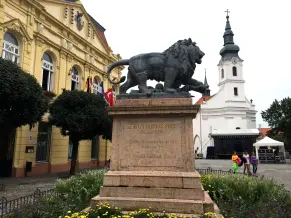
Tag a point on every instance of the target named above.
point(10, 48)
point(222, 73)
point(75, 85)
point(47, 72)
point(234, 71)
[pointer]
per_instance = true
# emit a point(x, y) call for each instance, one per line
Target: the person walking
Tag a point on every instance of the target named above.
point(247, 161)
point(254, 162)
point(235, 163)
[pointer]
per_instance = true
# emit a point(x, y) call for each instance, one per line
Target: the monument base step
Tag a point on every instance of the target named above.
point(159, 205)
point(153, 179)
point(144, 192)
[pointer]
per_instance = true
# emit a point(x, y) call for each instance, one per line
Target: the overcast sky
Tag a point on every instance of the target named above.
point(261, 28)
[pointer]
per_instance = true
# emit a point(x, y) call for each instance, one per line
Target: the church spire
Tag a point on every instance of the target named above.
point(228, 34)
point(205, 79)
point(230, 49)
point(207, 91)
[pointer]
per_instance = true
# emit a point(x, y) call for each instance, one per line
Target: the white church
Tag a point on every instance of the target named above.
point(226, 121)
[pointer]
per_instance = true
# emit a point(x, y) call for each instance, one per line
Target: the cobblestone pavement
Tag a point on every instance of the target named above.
point(13, 191)
point(281, 173)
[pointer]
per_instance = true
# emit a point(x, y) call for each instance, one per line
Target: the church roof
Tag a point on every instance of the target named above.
point(264, 131)
point(203, 98)
point(229, 49)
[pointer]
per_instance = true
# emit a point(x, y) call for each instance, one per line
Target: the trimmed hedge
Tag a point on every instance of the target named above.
point(242, 196)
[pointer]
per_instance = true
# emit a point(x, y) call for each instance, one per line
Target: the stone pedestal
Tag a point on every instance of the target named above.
point(152, 158)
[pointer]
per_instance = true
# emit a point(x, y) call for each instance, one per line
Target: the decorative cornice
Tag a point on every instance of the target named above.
point(17, 26)
point(231, 80)
point(63, 54)
point(70, 58)
point(39, 42)
point(78, 6)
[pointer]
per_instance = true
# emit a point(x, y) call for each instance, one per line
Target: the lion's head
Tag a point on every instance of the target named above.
point(186, 51)
point(195, 53)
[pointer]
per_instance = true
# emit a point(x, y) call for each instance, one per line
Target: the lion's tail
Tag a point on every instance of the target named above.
point(116, 64)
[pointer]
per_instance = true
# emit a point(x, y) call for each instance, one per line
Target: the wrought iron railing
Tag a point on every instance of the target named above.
point(209, 170)
point(10, 206)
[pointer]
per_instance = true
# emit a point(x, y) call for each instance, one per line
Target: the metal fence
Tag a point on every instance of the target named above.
point(209, 170)
point(10, 206)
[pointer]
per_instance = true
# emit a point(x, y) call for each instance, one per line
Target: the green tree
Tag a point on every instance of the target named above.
point(22, 101)
point(278, 116)
point(81, 116)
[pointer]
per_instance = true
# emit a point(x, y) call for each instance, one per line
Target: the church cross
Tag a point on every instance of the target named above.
point(227, 12)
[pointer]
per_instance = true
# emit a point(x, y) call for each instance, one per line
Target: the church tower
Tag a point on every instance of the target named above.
point(230, 67)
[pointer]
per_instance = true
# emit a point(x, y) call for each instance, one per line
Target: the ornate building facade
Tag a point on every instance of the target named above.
point(59, 43)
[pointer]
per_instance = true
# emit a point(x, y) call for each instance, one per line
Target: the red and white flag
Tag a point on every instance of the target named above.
point(109, 96)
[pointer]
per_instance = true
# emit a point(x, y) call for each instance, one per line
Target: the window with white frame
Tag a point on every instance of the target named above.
point(10, 49)
point(47, 72)
point(75, 85)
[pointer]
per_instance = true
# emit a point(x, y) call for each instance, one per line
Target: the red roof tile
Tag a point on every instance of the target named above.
point(264, 131)
point(203, 98)
point(102, 35)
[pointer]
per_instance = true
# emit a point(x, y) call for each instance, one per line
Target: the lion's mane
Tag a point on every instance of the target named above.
point(180, 50)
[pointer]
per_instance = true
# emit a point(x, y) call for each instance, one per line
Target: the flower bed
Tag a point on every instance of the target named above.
point(241, 196)
point(108, 211)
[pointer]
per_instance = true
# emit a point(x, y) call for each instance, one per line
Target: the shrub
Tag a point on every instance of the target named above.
point(22, 98)
point(73, 194)
point(241, 196)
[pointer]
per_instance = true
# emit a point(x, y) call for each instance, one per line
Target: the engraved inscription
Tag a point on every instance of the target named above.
point(151, 126)
point(152, 145)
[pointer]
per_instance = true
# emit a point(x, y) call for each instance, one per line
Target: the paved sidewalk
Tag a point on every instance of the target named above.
point(12, 181)
point(281, 173)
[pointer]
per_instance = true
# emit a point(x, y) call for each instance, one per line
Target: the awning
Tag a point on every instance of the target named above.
point(236, 132)
point(266, 141)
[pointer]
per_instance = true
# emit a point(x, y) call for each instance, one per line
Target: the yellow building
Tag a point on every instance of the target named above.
point(59, 43)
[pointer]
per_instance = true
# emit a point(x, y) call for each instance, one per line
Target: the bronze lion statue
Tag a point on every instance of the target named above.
point(175, 67)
